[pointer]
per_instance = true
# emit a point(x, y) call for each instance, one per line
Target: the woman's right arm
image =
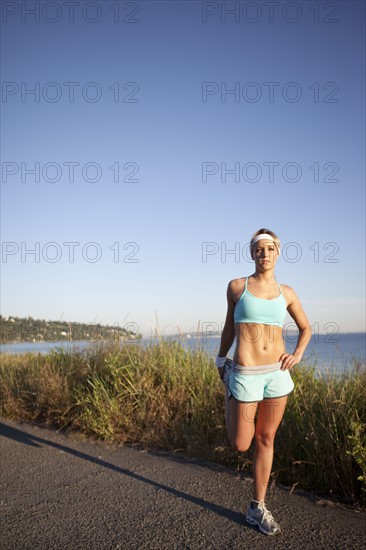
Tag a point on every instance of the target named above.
point(228, 332)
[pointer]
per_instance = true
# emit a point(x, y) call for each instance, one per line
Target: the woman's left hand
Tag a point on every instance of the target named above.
point(289, 360)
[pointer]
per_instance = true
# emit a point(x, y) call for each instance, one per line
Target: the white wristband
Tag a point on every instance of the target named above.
point(220, 362)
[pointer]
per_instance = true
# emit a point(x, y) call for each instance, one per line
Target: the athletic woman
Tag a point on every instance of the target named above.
point(258, 380)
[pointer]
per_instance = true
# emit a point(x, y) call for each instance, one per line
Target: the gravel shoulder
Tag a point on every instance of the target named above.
point(62, 492)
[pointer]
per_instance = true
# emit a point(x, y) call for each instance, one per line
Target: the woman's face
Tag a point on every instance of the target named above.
point(265, 253)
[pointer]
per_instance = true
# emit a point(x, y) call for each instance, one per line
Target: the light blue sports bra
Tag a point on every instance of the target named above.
point(250, 309)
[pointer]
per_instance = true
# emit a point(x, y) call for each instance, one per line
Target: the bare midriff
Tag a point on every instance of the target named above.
point(258, 344)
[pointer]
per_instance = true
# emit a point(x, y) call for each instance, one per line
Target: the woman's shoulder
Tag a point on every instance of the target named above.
point(285, 287)
point(236, 282)
point(288, 291)
point(236, 285)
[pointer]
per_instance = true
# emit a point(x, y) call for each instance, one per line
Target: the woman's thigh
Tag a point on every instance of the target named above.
point(240, 423)
point(270, 414)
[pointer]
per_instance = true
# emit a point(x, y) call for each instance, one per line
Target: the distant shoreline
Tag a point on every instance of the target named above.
point(289, 332)
point(141, 338)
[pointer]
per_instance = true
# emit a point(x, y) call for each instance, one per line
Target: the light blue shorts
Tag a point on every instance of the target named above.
point(251, 384)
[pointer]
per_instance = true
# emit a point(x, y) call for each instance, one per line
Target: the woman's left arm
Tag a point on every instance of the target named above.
point(296, 311)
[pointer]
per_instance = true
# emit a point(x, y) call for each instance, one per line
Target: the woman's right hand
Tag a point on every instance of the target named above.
point(221, 371)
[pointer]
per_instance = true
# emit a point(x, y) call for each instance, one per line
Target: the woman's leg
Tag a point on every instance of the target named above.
point(240, 423)
point(270, 413)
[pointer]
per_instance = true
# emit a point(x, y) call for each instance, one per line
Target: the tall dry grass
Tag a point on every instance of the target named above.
point(164, 396)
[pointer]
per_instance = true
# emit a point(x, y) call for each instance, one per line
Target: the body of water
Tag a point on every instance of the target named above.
point(338, 352)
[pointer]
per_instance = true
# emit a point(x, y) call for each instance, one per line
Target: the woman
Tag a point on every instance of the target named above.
point(258, 379)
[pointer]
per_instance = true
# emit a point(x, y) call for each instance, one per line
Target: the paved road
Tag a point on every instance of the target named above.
point(61, 492)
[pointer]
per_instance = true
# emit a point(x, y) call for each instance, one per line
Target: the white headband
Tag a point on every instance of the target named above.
point(267, 237)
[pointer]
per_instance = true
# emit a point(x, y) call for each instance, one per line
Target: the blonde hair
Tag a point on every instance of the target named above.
point(268, 232)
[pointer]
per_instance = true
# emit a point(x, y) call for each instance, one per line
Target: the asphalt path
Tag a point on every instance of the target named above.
point(61, 492)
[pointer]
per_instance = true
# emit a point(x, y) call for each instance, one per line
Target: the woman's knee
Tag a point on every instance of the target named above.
point(266, 439)
point(239, 444)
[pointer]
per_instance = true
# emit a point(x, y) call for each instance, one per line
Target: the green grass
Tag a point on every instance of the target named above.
point(164, 396)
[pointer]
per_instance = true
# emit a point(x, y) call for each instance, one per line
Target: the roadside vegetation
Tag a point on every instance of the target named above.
point(163, 396)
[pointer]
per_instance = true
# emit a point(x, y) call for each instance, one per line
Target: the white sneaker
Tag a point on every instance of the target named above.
point(263, 518)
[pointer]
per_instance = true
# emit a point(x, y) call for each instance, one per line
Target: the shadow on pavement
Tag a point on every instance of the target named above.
point(18, 435)
point(35, 441)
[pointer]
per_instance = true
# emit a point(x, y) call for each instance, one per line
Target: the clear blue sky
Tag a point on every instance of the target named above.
point(298, 76)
